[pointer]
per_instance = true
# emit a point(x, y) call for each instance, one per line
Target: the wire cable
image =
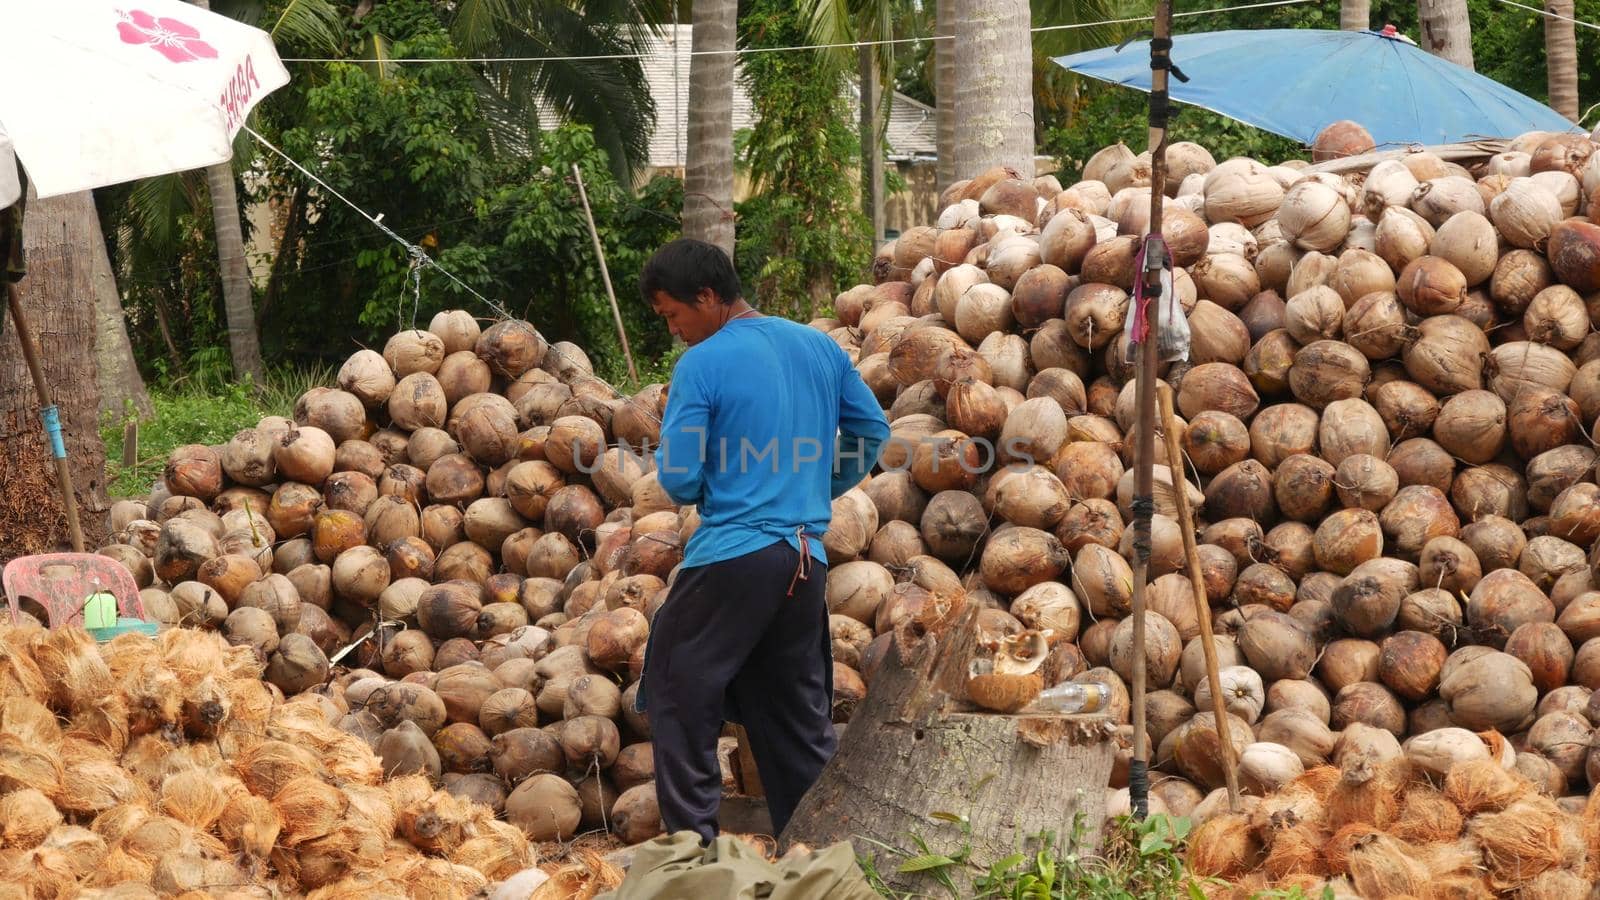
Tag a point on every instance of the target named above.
point(420, 257)
point(1550, 15)
point(848, 45)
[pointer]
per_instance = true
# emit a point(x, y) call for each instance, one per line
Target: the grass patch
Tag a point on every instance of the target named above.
point(198, 412)
point(1138, 861)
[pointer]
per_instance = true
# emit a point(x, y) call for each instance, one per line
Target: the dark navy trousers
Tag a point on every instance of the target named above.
point(732, 643)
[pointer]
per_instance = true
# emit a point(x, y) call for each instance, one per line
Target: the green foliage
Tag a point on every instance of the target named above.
point(1141, 861)
point(1507, 45)
point(199, 410)
point(453, 158)
point(802, 234)
point(1110, 116)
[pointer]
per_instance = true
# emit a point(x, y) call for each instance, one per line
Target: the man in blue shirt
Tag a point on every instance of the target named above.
point(766, 423)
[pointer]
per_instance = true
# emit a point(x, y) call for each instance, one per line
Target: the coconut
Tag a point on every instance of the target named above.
point(1314, 216)
point(1524, 213)
point(1488, 690)
point(1325, 371)
point(367, 377)
point(1277, 646)
point(1402, 236)
point(1447, 355)
point(1243, 191)
point(1574, 254)
point(1228, 279)
point(1341, 139)
point(418, 401)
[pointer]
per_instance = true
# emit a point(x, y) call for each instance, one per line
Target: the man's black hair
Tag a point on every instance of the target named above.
point(685, 267)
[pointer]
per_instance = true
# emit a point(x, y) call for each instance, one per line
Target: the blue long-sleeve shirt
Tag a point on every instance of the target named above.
point(766, 423)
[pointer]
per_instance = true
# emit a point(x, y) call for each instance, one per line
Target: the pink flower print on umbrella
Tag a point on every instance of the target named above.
point(177, 41)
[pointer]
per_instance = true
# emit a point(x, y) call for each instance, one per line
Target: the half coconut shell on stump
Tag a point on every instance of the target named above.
point(924, 748)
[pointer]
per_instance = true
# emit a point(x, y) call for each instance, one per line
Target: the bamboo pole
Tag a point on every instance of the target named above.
point(605, 275)
point(48, 413)
point(1202, 605)
point(1149, 351)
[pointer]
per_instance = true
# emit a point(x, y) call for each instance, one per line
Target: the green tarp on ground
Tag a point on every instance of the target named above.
point(676, 867)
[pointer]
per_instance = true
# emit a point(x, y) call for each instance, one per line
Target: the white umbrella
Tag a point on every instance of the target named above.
point(100, 92)
point(10, 190)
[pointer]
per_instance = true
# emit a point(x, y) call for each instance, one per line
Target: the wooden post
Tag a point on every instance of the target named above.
point(47, 408)
point(605, 275)
point(130, 444)
point(1145, 397)
point(1197, 580)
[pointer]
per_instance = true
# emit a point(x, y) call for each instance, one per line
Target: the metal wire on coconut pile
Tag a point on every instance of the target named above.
point(420, 260)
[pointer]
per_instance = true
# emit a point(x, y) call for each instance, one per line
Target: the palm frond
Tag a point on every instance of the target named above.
point(376, 59)
point(156, 205)
point(478, 24)
point(315, 24)
point(609, 95)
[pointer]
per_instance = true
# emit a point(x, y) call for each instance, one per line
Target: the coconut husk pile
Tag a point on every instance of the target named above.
point(1417, 825)
point(216, 786)
point(439, 548)
point(1385, 420)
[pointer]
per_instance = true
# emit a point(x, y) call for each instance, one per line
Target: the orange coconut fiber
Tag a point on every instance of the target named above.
point(26, 818)
point(499, 850)
point(70, 661)
point(120, 867)
point(1554, 884)
point(309, 808)
point(19, 673)
point(1297, 804)
point(30, 721)
point(266, 768)
point(1321, 781)
point(1531, 836)
point(24, 765)
point(1385, 866)
point(1427, 816)
point(1367, 793)
point(428, 877)
point(374, 805)
point(42, 872)
point(353, 846)
point(443, 822)
point(155, 701)
point(1336, 853)
point(1483, 785)
point(94, 786)
point(250, 823)
point(1225, 847)
point(103, 720)
point(585, 876)
point(1296, 850)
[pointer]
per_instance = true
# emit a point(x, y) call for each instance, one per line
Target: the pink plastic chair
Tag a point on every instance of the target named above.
point(62, 582)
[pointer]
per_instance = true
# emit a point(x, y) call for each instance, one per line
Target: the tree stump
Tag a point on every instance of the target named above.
point(917, 755)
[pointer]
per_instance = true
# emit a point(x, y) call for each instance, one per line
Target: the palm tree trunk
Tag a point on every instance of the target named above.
point(243, 342)
point(708, 164)
point(944, 89)
point(1355, 15)
point(119, 378)
point(1561, 58)
point(994, 102)
point(59, 236)
point(871, 143)
point(1446, 30)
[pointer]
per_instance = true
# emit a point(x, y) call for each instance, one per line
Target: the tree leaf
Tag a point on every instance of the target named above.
point(926, 862)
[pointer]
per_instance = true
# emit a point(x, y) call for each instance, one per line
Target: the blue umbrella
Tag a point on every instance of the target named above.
point(1294, 82)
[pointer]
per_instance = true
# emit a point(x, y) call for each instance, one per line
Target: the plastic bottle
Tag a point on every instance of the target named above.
point(1070, 697)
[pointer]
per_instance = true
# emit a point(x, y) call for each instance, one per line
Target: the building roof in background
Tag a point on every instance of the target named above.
point(911, 132)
